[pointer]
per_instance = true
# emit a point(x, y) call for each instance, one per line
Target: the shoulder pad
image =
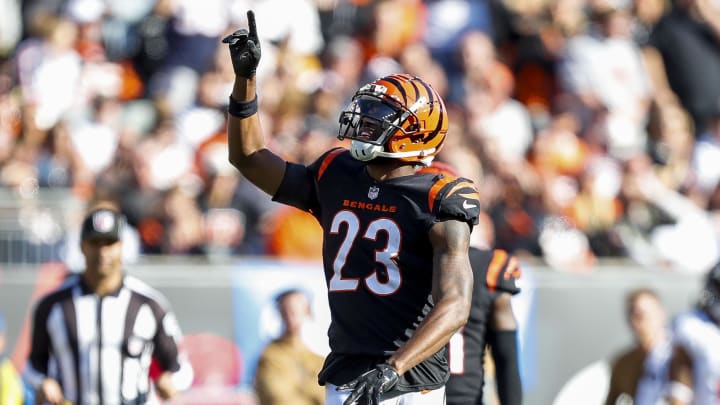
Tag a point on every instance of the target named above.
point(454, 198)
point(322, 163)
point(503, 273)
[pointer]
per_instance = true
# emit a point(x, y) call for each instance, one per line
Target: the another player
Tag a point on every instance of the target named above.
point(491, 325)
point(695, 362)
point(395, 244)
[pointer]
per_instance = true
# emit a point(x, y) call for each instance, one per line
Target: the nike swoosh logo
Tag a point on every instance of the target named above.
point(467, 205)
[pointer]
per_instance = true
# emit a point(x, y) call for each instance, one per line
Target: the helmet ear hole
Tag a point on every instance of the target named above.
point(414, 127)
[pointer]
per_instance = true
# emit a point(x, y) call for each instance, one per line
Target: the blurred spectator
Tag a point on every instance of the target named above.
point(486, 86)
point(287, 369)
point(706, 156)
point(685, 239)
point(564, 247)
point(689, 33)
point(11, 387)
point(184, 225)
point(597, 207)
point(10, 26)
point(448, 21)
point(396, 24)
point(40, 61)
point(554, 102)
point(294, 234)
point(604, 71)
point(640, 374)
point(672, 144)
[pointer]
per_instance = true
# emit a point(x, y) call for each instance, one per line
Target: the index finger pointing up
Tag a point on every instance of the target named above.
point(251, 24)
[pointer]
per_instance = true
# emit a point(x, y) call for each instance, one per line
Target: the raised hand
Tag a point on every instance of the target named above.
point(244, 49)
point(371, 385)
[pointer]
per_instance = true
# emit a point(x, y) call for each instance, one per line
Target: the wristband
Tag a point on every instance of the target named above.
point(242, 109)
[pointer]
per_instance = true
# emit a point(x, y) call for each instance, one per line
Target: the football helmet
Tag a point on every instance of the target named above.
point(398, 116)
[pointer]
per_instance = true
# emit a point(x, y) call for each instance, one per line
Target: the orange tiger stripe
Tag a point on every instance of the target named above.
point(461, 185)
point(436, 189)
point(494, 268)
point(326, 162)
point(471, 196)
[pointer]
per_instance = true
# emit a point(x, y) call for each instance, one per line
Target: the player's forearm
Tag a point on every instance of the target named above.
point(245, 136)
point(452, 294)
point(246, 144)
point(507, 373)
point(434, 332)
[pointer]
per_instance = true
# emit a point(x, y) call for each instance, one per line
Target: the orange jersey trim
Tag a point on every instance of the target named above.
point(494, 268)
point(326, 162)
point(435, 189)
point(462, 185)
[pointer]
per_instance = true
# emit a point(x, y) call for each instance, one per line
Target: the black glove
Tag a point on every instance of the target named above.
point(371, 385)
point(245, 49)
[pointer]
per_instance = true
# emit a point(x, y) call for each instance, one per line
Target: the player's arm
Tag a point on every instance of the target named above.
point(177, 373)
point(47, 389)
point(502, 278)
point(246, 144)
point(503, 343)
point(451, 292)
point(681, 377)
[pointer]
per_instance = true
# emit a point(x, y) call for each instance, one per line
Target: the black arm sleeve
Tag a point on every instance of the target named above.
point(40, 341)
point(505, 355)
point(166, 339)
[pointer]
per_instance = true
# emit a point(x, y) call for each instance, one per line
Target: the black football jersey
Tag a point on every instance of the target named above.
point(494, 271)
point(378, 259)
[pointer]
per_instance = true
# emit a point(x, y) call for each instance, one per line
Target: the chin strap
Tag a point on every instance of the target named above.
point(365, 151)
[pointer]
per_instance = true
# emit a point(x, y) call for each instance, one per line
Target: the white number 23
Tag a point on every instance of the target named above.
point(385, 257)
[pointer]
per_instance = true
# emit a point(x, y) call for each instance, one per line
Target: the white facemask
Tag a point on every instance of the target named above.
point(364, 151)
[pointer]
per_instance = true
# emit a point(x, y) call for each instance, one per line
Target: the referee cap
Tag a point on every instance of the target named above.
point(102, 223)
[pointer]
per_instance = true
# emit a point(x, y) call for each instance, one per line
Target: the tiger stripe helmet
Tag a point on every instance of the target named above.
point(397, 116)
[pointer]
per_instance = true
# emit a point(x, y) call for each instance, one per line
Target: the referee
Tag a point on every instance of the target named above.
point(95, 337)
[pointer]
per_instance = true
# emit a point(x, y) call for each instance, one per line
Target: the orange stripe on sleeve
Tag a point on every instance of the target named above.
point(436, 189)
point(460, 186)
point(494, 268)
point(471, 196)
point(326, 162)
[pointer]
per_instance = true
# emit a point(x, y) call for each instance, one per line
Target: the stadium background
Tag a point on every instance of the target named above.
point(570, 324)
point(592, 128)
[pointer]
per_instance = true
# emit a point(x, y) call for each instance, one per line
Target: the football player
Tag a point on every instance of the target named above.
point(395, 245)
point(695, 362)
point(491, 324)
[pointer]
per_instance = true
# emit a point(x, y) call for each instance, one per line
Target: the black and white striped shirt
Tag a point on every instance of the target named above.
point(100, 348)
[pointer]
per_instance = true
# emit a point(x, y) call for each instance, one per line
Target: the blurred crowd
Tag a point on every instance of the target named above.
point(591, 127)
